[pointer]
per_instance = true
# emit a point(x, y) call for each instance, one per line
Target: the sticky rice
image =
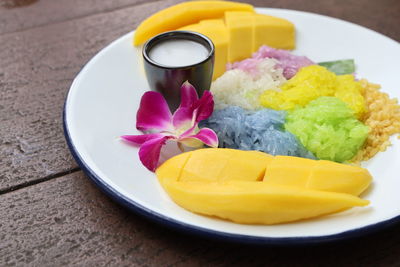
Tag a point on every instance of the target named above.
point(261, 130)
point(312, 82)
point(288, 62)
point(327, 127)
point(240, 88)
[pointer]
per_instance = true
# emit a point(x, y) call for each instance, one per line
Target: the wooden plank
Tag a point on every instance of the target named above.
point(18, 15)
point(39, 13)
point(68, 221)
point(36, 70)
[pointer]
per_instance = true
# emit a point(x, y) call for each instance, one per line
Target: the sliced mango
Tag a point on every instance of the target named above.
point(183, 14)
point(194, 28)
point(218, 33)
point(212, 22)
point(274, 32)
point(336, 177)
point(214, 29)
point(173, 169)
point(235, 29)
point(319, 175)
point(292, 171)
point(240, 33)
point(229, 184)
point(257, 202)
point(211, 165)
point(240, 27)
point(248, 31)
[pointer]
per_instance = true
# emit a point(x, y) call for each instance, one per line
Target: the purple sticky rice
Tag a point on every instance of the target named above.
point(288, 62)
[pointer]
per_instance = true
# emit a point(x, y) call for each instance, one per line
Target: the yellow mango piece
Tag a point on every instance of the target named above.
point(216, 164)
point(193, 28)
point(336, 177)
point(228, 184)
point(317, 174)
point(216, 30)
point(257, 202)
point(172, 168)
point(240, 27)
point(201, 166)
point(213, 22)
point(183, 14)
point(292, 171)
point(219, 36)
point(274, 32)
point(218, 33)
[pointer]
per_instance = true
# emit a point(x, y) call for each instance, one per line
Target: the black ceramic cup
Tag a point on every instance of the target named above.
point(168, 79)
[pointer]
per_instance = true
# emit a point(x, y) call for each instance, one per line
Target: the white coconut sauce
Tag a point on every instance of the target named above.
point(178, 53)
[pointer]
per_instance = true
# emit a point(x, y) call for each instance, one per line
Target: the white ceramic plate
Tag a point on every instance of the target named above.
point(102, 103)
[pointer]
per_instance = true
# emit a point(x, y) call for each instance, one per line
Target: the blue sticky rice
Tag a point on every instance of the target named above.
point(260, 130)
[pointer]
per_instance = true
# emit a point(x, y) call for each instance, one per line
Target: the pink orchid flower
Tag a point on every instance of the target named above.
point(155, 119)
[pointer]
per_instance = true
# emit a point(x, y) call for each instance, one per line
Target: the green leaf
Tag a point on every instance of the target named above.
point(340, 67)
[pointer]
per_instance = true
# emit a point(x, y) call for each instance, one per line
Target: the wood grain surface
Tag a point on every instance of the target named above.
point(19, 15)
point(68, 221)
point(36, 70)
point(50, 214)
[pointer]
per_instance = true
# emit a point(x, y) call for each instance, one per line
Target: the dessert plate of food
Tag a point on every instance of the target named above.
point(301, 117)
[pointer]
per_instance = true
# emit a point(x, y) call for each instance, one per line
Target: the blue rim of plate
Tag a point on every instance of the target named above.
point(205, 232)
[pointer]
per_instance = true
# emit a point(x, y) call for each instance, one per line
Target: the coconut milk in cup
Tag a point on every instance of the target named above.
point(171, 58)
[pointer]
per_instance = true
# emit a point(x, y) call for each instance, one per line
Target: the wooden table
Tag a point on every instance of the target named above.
point(51, 214)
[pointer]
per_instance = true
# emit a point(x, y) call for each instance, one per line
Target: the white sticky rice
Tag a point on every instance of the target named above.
point(239, 88)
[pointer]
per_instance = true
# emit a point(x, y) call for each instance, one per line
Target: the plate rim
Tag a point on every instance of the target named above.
point(202, 231)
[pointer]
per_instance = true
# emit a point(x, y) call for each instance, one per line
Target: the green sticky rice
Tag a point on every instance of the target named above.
point(328, 128)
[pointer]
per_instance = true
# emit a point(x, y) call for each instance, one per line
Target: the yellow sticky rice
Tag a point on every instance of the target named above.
point(312, 82)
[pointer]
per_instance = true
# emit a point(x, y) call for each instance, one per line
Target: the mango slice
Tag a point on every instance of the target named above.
point(336, 177)
point(214, 29)
point(248, 31)
point(319, 175)
point(291, 171)
point(257, 188)
point(240, 33)
point(257, 202)
point(235, 29)
point(240, 27)
point(212, 22)
point(274, 32)
point(210, 165)
point(173, 169)
point(183, 14)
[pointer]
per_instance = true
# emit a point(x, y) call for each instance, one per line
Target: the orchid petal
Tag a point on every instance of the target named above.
point(149, 152)
point(153, 113)
point(182, 116)
point(190, 103)
point(189, 98)
point(188, 95)
point(205, 135)
point(142, 138)
point(205, 106)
